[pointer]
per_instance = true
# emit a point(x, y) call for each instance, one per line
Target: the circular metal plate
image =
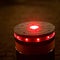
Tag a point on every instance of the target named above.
point(44, 28)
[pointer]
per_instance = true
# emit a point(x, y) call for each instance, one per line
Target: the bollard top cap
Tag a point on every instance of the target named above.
point(34, 28)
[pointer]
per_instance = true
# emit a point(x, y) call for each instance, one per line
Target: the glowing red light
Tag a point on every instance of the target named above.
point(53, 34)
point(47, 38)
point(18, 38)
point(38, 39)
point(34, 27)
point(26, 39)
point(14, 35)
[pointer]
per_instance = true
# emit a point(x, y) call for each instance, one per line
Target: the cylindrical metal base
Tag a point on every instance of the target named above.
point(49, 56)
point(35, 49)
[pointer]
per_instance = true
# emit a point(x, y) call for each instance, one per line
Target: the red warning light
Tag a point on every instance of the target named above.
point(47, 37)
point(34, 27)
point(26, 39)
point(18, 37)
point(38, 39)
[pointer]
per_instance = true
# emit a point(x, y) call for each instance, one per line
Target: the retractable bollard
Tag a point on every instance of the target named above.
point(34, 40)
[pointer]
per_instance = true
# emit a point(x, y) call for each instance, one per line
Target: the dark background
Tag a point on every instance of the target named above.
point(13, 12)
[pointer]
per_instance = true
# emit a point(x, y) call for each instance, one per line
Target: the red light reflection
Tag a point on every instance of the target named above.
point(33, 27)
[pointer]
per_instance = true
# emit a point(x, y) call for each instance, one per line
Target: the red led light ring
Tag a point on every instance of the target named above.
point(39, 39)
